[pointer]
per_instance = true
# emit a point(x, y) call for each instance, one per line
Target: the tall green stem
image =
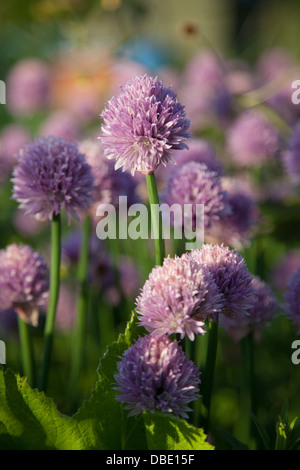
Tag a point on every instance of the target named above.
point(53, 300)
point(26, 351)
point(209, 372)
point(156, 219)
point(82, 308)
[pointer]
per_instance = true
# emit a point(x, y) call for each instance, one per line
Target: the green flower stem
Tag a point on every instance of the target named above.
point(209, 372)
point(26, 351)
point(82, 308)
point(156, 219)
point(53, 300)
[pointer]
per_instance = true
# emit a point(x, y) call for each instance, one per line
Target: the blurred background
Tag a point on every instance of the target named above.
point(61, 61)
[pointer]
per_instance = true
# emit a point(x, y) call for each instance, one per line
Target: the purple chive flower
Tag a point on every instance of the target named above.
point(291, 298)
point(143, 125)
point(177, 298)
point(231, 276)
point(154, 374)
point(252, 140)
point(28, 87)
point(236, 228)
point(52, 174)
point(291, 156)
point(12, 138)
point(260, 315)
point(23, 282)
point(194, 183)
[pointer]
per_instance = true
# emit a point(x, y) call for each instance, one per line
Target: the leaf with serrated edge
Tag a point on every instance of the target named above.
point(165, 432)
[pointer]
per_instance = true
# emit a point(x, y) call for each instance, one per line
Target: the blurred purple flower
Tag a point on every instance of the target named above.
point(237, 226)
point(291, 156)
point(291, 297)
point(276, 70)
point(12, 138)
point(178, 297)
point(129, 276)
point(51, 174)
point(62, 124)
point(284, 269)
point(28, 87)
point(252, 139)
point(23, 282)
point(263, 310)
point(204, 91)
point(66, 309)
point(142, 125)
point(154, 374)
point(231, 276)
point(194, 183)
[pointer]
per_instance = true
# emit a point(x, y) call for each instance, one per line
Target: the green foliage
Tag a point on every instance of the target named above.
point(30, 420)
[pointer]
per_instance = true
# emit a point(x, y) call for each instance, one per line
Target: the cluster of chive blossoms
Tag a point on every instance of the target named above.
point(180, 297)
point(142, 126)
point(24, 282)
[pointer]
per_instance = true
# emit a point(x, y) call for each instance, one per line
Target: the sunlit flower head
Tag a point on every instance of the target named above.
point(178, 297)
point(143, 125)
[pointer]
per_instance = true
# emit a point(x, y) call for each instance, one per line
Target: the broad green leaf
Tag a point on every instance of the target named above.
point(30, 420)
point(165, 432)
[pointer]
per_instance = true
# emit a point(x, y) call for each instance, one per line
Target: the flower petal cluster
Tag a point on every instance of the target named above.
point(24, 281)
point(52, 174)
point(154, 374)
point(143, 125)
point(231, 276)
point(177, 298)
